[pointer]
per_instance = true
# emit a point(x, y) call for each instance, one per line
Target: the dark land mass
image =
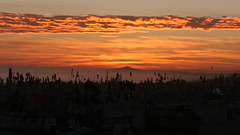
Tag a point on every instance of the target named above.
point(48, 105)
point(127, 69)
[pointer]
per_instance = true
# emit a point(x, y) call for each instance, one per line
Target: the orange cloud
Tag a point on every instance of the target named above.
point(30, 23)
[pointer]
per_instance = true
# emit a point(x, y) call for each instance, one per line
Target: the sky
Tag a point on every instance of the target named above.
point(177, 35)
point(214, 8)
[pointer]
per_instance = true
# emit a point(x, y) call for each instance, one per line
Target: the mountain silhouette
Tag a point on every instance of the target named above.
point(127, 68)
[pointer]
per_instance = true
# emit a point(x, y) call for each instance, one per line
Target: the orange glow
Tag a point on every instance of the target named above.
point(144, 53)
point(28, 23)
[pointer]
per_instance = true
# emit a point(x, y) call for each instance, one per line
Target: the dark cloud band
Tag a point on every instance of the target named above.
point(30, 23)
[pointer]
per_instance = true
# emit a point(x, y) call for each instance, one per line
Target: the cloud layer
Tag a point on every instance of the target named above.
point(30, 23)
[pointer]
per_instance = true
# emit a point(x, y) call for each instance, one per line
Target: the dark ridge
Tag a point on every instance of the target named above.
point(127, 68)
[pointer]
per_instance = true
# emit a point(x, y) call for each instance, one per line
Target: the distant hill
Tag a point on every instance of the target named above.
point(127, 68)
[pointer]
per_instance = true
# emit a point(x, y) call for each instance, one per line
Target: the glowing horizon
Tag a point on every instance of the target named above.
point(179, 52)
point(155, 43)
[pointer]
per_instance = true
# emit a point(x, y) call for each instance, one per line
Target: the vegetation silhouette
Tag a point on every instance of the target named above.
point(151, 105)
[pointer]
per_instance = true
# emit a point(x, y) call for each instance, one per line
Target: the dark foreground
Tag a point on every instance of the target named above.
point(32, 105)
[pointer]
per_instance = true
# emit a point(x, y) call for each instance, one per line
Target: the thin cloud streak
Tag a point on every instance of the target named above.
point(162, 54)
point(30, 23)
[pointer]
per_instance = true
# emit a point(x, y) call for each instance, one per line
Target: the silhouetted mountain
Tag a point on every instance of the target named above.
point(127, 68)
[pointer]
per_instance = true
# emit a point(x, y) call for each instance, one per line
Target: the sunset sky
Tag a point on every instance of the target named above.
point(176, 35)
